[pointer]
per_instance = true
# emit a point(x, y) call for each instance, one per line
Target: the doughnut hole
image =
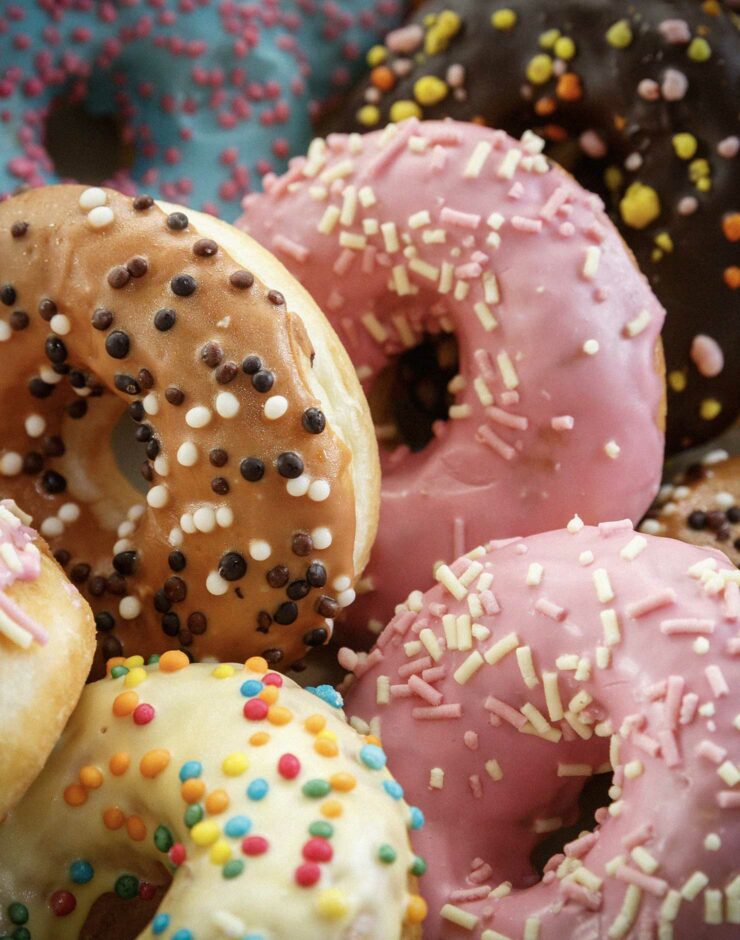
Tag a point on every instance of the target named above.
point(113, 917)
point(412, 392)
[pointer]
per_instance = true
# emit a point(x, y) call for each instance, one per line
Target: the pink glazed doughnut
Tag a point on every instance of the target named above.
point(533, 665)
point(447, 228)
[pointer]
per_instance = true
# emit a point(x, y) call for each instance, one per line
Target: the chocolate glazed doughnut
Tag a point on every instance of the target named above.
point(255, 438)
point(640, 102)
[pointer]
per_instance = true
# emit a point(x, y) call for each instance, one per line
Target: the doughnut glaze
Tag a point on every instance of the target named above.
point(444, 228)
point(534, 664)
point(207, 96)
point(270, 816)
point(639, 101)
point(47, 640)
point(255, 438)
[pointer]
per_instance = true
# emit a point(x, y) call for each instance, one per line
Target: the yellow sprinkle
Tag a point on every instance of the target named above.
point(325, 748)
point(235, 764)
point(205, 832)
point(663, 240)
point(331, 904)
point(376, 56)
point(565, 48)
point(269, 694)
point(259, 738)
point(639, 206)
point(699, 50)
point(416, 909)
point(430, 90)
point(279, 715)
point(91, 777)
point(368, 115)
point(704, 184)
point(343, 782)
point(612, 178)
point(685, 145)
point(504, 19)
point(548, 39)
point(315, 723)
point(133, 661)
point(709, 409)
point(331, 809)
point(223, 671)
point(539, 69)
point(446, 26)
point(256, 664)
point(401, 110)
point(677, 380)
point(698, 169)
point(619, 34)
point(220, 853)
point(134, 677)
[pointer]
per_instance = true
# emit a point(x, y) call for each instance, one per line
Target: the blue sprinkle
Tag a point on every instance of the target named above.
point(258, 789)
point(190, 769)
point(373, 757)
point(393, 788)
point(81, 871)
point(160, 923)
point(253, 936)
point(327, 694)
point(238, 826)
point(417, 818)
point(182, 935)
point(251, 687)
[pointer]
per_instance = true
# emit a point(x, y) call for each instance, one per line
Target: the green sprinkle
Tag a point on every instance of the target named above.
point(18, 913)
point(619, 35)
point(118, 671)
point(233, 868)
point(316, 789)
point(153, 659)
point(163, 839)
point(418, 866)
point(321, 828)
point(127, 887)
point(20, 933)
point(386, 853)
point(699, 50)
point(193, 815)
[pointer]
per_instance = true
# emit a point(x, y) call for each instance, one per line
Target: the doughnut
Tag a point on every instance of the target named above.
point(436, 232)
point(191, 99)
point(264, 812)
point(639, 101)
point(534, 665)
point(701, 505)
point(261, 463)
point(47, 641)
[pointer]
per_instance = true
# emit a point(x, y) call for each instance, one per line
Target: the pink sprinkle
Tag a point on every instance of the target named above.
point(405, 40)
point(674, 694)
point(707, 356)
point(467, 895)
point(646, 743)
point(415, 666)
point(299, 252)
point(689, 706)
point(676, 32)
point(514, 717)
point(728, 799)
point(638, 836)
point(688, 625)
point(550, 609)
point(434, 675)
point(482, 872)
point(717, 681)
point(425, 691)
point(393, 150)
point(674, 85)
point(617, 525)
point(483, 361)
point(554, 201)
point(458, 535)
point(563, 423)
point(578, 847)
point(508, 420)
point(669, 748)
point(438, 160)
point(655, 886)
point(567, 229)
point(484, 435)
point(20, 617)
point(516, 191)
point(596, 232)
point(437, 610)
point(733, 646)
point(437, 712)
point(470, 739)
point(654, 602)
point(460, 219)
point(401, 691)
point(143, 714)
point(591, 900)
point(523, 224)
point(592, 144)
point(648, 89)
point(468, 272)
point(729, 147)
point(476, 787)
point(732, 601)
point(711, 751)
point(509, 397)
point(488, 602)
point(368, 259)
point(656, 691)
point(347, 659)
point(344, 261)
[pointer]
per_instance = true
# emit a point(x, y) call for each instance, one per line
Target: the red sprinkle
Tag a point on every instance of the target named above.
point(62, 903)
point(147, 891)
point(289, 766)
point(255, 845)
point(177, 853)
point(307, 875)
point(255, 709)
point(143, 714)
point(272, 678)
point(317, 850)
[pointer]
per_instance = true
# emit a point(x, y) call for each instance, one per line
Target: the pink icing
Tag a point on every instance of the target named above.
point(664, 709)
point(557, 404)
point(20, 560)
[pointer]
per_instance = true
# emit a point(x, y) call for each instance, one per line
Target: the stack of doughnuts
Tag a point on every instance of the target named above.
point(411, 409)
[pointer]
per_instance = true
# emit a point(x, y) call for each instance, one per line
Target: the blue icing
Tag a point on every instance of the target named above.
point(327, 694)
point(162, 78)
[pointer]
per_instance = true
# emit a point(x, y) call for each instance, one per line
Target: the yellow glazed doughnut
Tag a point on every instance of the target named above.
point(274, 818)
point(261, 464)
point(47, 639)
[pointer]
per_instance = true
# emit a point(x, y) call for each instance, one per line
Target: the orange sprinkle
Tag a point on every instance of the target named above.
point(416, 909)
point(259, 738)
point(545, 106)
point(325, 747)
point(192, 790)
point(270, 694)
point(279, 715)
point(732, 277)
point(343, 782)
point(569, 87)
point(75, 795)
point(91, 777)
point(619, 122)
point(554, 132)
point(114, 661)
point(154, 762)
point(315, 723)
point(136, 828)
point(383, 77)
point(331, 809)
point(125, 703)
point(373, 739)
point(731, 226)
point(256, 664)
point(217, 802)
point(173, 661)
point(119, 763)
point(113, 818)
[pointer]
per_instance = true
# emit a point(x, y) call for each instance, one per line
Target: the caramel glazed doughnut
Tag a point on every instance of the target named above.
point(261, 459)
point(270, 816)
point(595, 650)
point(47, 641)
point(639, 101)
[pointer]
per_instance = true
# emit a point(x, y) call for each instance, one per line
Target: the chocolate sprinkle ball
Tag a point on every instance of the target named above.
point(639, 102)
point(244, 543)
point(701, 506)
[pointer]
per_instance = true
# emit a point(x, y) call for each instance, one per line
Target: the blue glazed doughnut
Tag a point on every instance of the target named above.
point(210, 95)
